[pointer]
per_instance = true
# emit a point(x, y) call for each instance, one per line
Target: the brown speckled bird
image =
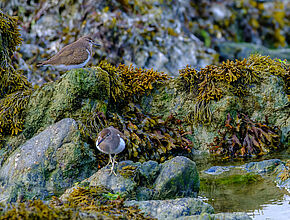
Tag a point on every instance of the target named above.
point(74, 55)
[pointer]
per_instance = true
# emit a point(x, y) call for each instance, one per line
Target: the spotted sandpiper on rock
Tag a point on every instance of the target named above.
point(74, 55)
point(110, 141)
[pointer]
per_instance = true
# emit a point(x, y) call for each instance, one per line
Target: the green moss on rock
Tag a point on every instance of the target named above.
point(79, 91)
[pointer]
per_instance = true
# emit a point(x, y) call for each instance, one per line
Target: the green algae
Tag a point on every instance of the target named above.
point(81, 91)
point(239, 179)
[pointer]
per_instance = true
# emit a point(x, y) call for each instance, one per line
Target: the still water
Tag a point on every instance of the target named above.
point(257, 196)
point(276, 209)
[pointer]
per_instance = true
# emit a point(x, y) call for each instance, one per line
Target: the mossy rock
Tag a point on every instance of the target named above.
point(79, 90)
point(178, 178)
point(204, 98)
point(232, 50)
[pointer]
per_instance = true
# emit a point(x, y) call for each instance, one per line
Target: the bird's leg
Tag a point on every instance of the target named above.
point(113, 163)
point(110, 160)
point(114, 159)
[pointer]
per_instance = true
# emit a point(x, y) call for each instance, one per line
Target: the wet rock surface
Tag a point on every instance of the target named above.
point(262, 167)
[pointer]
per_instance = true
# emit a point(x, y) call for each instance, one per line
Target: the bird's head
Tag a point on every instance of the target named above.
point(104, 134)
point(88, 39)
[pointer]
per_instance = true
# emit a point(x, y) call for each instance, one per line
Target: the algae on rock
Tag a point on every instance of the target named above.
point(206, 97)
point(79, 90)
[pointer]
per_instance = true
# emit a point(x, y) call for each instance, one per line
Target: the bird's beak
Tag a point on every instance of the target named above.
point(96, 44)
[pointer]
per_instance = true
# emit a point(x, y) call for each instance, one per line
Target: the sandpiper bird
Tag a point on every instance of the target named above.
point(110, 141)
point(74, 55)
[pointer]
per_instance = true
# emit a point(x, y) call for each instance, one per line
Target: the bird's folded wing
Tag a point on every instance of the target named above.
point(79, 56)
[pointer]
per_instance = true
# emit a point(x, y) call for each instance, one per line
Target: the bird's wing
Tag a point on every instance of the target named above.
point(59, 57)
point(74, 55)
point(77, 56)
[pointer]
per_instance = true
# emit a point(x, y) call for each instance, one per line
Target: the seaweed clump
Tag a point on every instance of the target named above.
point(11, 117)
point(129, 83)
point(99, 200)
point(150, 137)
point(15, 90)
point(10, 80)
point(82, 202)
point(230, 77)
point(36, 209)
point(244, 138)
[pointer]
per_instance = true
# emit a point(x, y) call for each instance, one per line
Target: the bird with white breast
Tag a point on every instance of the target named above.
point(110, 141)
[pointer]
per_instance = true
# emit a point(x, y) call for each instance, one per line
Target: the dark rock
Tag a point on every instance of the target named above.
point(143, 193)
point(172, 209)
point(47, 163)
point(178, 178)
point(231, 51)
point(148, 172)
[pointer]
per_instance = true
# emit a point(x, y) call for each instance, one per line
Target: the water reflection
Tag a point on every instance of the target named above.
point(260, 198)
point(242, 197)
point(276, 210)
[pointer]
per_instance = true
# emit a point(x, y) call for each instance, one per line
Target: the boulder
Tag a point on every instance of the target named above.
point(46, 164)
point(178, 178)
point(118, 184)
point(266, 100)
